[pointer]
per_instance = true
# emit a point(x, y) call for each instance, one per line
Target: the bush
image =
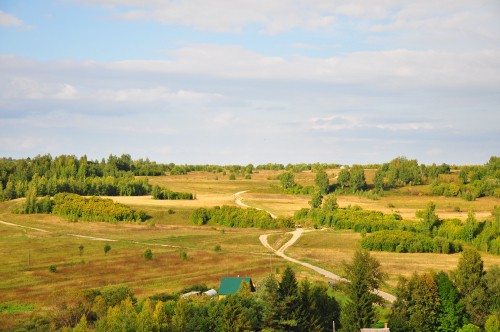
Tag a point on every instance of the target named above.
point(75, 207)
point(148, 254)
point(53, 268)
point(167, 194)
point(233, 216)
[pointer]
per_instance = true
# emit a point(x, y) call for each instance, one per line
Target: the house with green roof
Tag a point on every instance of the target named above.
point(231, 285)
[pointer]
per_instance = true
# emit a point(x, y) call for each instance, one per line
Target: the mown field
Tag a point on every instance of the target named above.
point(32, 287)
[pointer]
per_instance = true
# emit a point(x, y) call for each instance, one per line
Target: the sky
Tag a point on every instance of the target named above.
point(251, 81)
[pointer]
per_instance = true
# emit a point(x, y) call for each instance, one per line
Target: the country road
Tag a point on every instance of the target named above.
point(295, 236)
point(239, 201)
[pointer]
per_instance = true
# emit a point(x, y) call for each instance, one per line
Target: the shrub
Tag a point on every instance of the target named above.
point(53, 268)
point(148, 254)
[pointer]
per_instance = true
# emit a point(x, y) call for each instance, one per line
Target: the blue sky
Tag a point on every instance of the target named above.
point(237, 82)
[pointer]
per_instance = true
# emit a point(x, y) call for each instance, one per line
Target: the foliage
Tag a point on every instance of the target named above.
point(469, 280)
point(232, 216)
point(14, 308)
point(316, 199)
point(53, 268)
point(167, 194)
point(107, 248)
point(75, 207)
point(365, 275)
point(417, 306)
point(148, 254)
point(452, 313)
point(352, 217)
point(406, 241)
point(330, 203)
point(321, 180)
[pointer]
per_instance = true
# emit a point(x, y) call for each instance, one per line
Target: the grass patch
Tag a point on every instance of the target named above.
point(14, 308)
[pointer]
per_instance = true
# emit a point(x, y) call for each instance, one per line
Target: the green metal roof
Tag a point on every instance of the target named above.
point(231, 285)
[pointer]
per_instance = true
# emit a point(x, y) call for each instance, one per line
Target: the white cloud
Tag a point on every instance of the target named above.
point(9, 20)
point(332, 123)
point(396, 68)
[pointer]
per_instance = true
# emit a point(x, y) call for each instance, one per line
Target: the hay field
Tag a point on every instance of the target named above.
point(167, 234)
point(241, 254)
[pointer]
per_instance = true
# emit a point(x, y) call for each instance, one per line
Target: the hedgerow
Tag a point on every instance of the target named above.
point(232, 216)
point(75, 207)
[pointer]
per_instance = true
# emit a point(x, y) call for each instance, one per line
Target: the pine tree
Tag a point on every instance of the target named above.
point(288, 304)
point(469, 279)
point(365, 276)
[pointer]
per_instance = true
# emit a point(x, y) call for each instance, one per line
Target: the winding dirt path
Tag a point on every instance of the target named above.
point(46, 231)
point(239, 201)
point(295, 236)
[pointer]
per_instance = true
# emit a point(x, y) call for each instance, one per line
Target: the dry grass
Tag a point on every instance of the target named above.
point(241, 252)
point(330, 248)
point(277, 240)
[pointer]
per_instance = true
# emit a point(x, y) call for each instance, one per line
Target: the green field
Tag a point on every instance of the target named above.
point(27, 285)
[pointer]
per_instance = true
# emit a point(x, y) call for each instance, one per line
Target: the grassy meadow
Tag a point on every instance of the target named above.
point(30, 287)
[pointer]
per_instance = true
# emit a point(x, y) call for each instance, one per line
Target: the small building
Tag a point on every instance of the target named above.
point(231, 285)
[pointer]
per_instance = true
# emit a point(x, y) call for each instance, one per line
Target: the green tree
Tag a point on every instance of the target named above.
point(429, 219)
point(470, 281)
point(358, 181)
point(469, 328)
point(269, 297)
point(344, 178)
point(452, 314)
point(107, 248)
point(148, 254)
point(330, 203)
point(365, 276)
point(492, 279)
point(322, 182)
point(492, 323)
point(288, 304)
point(287, 180)
point(81, 326)
point(316, 199)
point(145, 319)
point(378, 180)
point(471, 227)
point(30, 205)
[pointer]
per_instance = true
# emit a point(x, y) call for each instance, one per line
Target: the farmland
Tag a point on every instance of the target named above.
point(30, 243)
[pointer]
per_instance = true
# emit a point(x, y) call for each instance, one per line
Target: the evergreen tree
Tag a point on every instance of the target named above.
point(268, 294)
point(365, 276)
point(470, 281)
point(288, 300)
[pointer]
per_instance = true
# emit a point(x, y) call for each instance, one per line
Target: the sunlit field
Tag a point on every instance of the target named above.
point(212, 251)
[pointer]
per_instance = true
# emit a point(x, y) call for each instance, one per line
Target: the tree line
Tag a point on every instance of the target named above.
point(278, 305)
point(232, 216)
point(75, 207)
point(167, 194)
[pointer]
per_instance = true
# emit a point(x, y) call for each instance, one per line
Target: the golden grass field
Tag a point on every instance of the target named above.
point(168, 234)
